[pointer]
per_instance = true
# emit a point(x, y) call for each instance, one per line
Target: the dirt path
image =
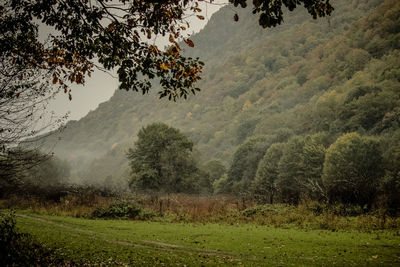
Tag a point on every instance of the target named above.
point(149, 244)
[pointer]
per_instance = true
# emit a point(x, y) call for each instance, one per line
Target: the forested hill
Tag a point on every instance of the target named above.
point(304, 77)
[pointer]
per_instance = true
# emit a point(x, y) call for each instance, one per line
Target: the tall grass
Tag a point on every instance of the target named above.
point(210, 209)
point(70, 205)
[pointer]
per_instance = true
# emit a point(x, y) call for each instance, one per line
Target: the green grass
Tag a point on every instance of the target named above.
point(138, 243)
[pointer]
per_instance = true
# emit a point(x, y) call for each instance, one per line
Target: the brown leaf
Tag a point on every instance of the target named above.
point(189, 42)
point(200, 17)
point(236, 17)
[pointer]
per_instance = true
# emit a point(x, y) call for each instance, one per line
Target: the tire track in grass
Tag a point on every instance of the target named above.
point(148, 244)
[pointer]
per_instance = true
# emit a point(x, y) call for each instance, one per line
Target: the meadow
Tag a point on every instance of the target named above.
point(149, 243)
point(183, 230)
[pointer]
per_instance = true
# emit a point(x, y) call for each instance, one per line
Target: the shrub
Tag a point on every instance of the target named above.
point(118, 210)
point(19, 249)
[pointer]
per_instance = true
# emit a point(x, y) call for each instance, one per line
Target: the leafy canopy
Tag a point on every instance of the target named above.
point(119, 34)
point(353, 168)
point(271, 13)
point(161, 160)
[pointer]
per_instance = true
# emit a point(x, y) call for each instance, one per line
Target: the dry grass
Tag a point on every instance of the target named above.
point(193, 208)
point(216, 209)
point(70, 205)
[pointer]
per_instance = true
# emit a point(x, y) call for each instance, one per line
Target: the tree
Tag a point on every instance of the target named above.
point(23, 114)
point(50, 172)
point(162, 161)
point(300, 168)
point(119, 34)
point(264, 184)
point(271, 13)
point(390, 185)
point(312, 163)
point(15, 164)
point(245, 162)
point(20, 108)
point(290, 171)
point(215, 168)
point(353, 169)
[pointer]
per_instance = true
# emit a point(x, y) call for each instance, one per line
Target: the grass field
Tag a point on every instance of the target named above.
point(139, 243)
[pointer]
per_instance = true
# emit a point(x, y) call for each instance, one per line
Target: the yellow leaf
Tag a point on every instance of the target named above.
point(163, 66)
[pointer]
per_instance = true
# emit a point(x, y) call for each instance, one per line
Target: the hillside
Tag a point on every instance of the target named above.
point(303, 77)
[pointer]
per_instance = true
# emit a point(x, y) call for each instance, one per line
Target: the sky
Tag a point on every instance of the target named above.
point(101, 86)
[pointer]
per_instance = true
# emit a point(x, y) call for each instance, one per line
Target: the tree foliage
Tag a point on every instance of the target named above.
point(291, 171)
point(115, 33)
point(120, 35)
point(353, 168)
point(264, 186)
point(27, 171)
point(215, 168)
point(245, 162)
point(23, 107)
point(162, 161)
point(271, 13)
point(390, 185)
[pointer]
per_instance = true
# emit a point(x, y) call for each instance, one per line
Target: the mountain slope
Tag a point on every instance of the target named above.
point(305, 76)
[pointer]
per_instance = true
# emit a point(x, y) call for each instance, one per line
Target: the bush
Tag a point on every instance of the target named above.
point(267, 210)
point(19, 249)
point(118, 210)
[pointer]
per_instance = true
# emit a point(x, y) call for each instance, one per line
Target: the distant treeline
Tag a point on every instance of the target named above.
point(281, 168)
point(352, 169)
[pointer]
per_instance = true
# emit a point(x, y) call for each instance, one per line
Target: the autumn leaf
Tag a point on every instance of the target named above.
point(163, 66)
point(153, 49)
point(189, 42)
point(200, 17)
point(236, 17)
point(111, 27)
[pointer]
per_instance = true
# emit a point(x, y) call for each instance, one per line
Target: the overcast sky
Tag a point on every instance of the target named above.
point(101, 86)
